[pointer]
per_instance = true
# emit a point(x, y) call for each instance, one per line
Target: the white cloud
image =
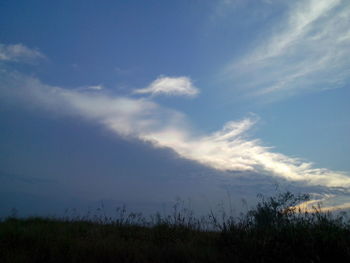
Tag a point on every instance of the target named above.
point(96, 87)
point(306, 51)
point(229, 149)
point(18, 53)
point(302, 19)
point(170, 86)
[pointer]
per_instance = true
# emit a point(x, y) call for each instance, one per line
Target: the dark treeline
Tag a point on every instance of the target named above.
point(275, 230)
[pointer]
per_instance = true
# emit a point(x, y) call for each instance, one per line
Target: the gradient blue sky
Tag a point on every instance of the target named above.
point(140, 102)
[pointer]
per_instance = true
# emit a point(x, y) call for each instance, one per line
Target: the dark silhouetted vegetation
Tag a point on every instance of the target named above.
point(274, 231)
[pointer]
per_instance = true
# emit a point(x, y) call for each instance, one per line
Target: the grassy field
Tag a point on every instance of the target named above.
point(273, 231)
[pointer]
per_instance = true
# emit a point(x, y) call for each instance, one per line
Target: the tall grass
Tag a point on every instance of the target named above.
point(274, 230)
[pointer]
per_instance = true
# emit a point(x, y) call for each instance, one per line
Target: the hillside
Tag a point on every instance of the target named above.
point(273, 230)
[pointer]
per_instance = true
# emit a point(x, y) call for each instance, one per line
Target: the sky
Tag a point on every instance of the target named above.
point(143, 103)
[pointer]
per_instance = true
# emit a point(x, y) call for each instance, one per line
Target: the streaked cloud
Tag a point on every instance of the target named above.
point(96, 87)
point(91, 88)
point(306, 51)
point(170, 86)
point(18, 53)
point(229, 149)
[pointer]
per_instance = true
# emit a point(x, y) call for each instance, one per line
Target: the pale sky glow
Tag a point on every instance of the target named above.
point(141, 103)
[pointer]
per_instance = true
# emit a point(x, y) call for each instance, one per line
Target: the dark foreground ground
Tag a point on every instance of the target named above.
point(271, 232)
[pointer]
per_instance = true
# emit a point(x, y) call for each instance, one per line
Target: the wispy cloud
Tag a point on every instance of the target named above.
point(96, 87)
point(229, 149)
point(308, 50)
point(18, 53)
point(92, 88)
point(170, 86)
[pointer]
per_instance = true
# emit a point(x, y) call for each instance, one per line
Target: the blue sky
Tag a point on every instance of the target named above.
point(140, 102)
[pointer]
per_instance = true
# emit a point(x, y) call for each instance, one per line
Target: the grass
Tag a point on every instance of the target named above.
point(273, 231)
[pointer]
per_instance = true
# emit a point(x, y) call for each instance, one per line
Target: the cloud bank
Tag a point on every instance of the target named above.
point(170, 86)
point(229, 149)
point(306, 51)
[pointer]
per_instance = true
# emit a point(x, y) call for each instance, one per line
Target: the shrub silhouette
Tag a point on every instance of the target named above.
point(275, 211)
point(274, 230)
